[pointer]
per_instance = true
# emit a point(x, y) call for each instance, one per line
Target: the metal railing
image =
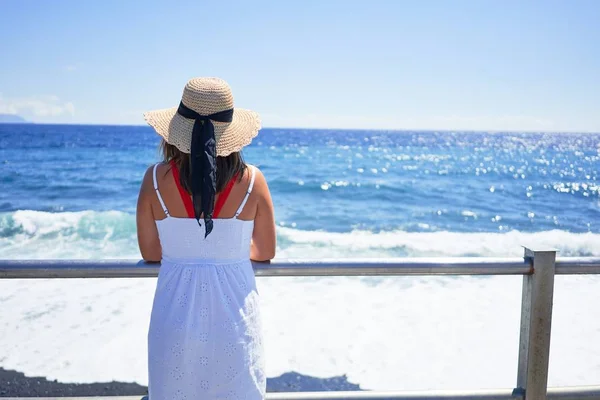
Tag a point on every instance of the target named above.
point(538, 268)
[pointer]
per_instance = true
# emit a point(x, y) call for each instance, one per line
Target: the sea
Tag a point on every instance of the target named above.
point(69, 191)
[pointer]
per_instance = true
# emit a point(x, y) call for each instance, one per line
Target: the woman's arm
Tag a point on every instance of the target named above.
point(147, 232)
point(264, 240)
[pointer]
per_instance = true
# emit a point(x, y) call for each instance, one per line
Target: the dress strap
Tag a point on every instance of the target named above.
point(155, 181)
point(185, 197)
point(239, 210)
point(224, 195)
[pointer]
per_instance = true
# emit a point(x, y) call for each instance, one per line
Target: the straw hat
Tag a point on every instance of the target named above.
point(206, 96)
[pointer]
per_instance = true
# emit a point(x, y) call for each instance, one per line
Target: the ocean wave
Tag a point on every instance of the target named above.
point(431, 244)
point(83, 234)
point(112, 234)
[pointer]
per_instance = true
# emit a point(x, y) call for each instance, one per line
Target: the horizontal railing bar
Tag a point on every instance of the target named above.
point(27, 269)
point(577, 266)
point(562, 393)
point(503, 394)
point(574, 393)
point(41, 269)
point(397, 267)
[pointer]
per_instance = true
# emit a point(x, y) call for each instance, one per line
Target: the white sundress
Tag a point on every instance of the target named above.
point(205, 339)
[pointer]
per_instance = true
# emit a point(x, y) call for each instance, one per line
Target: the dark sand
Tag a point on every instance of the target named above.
point(16, 384)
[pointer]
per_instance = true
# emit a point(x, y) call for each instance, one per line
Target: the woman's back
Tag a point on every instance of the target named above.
point(177, 234)
point(183, 239)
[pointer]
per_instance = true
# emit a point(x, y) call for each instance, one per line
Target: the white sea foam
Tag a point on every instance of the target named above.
point(111, 234)
point(84, 234)
point(384, 333)
point(296, 243)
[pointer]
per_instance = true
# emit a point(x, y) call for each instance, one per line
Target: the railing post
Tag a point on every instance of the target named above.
point(536, 323)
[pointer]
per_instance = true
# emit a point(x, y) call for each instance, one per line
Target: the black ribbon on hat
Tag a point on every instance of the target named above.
point(203, 162)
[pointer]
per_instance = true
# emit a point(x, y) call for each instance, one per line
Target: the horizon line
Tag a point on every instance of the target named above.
point(329, 129)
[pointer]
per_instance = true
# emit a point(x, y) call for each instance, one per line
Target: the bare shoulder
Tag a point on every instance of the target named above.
point(148, 181)
point(261, 188)
point(161, 169)
point(259, 178)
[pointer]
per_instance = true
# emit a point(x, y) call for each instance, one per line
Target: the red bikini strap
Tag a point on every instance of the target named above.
point(223, 196)
point(187, 200)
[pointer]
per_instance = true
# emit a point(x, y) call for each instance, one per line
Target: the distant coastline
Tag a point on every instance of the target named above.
point(12, 119)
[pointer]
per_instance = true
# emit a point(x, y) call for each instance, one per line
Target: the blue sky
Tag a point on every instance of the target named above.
point(470, 65)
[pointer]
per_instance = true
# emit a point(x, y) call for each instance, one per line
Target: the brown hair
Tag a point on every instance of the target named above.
point(227, 167)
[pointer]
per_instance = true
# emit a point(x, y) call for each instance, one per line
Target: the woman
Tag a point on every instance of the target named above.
point(203, 213)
